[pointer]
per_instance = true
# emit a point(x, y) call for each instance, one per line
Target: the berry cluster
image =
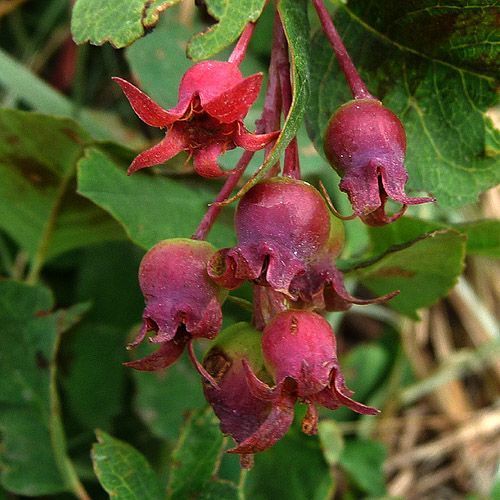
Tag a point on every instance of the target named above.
point(288, 240)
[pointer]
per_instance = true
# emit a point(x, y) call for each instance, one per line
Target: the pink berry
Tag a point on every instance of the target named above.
point(300, 352)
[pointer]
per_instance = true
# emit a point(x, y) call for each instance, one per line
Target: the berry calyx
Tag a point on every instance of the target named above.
point(214, 97)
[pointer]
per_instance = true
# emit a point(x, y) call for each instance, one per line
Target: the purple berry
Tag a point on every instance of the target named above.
point(282, 224)
point(366, 144)
point(287, 240)
point(182, 302)
point(239, 411)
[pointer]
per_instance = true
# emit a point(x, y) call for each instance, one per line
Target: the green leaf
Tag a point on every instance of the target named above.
point(402, 231)
point(364, 368)
point(150, 207)
point(114, 21)
point(124, 472)
point(363, 460)
point(232, 16)
point(153, 9)
point(331, 440)
point(293, 14)
point(219, 489)
point(38, 206)
point(495, 488)
point(424, 270)
point(26, 86)
point(196, 457)
point(432, 65)
point(107, 275)
point(483, 237)
point(33, 456)
point(293, 469)
point(95, 379)
point(162, 399)
point(461, 33)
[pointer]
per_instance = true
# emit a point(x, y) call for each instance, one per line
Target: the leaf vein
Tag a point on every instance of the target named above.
point(402, 47)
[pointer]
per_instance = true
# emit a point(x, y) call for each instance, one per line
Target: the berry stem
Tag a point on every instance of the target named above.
point(214, 209)
point(199, 367)
point(266, 304)
point(291, 167)
point(240, 49)
point(270, 119)
point(357, 85)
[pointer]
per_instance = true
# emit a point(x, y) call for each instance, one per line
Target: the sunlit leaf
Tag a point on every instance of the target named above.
point(424, 270)
point(114, 21)
point(232, 16)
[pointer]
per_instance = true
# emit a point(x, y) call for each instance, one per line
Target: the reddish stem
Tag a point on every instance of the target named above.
point(357, 85)
point(270, 119)
point(64, 73)
point(291, 167)
point(214, 209)
point(331, 206)
point(240, 49)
